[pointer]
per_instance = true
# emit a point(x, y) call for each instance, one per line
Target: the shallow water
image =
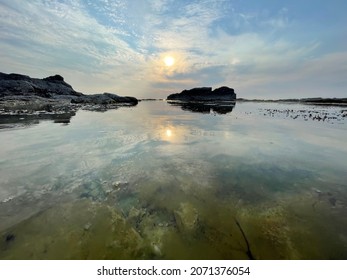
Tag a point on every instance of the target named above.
point(158, 182)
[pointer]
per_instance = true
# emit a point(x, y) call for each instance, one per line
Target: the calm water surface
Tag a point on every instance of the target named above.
point(158, 182)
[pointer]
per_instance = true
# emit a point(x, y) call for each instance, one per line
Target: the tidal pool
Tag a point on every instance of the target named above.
point(163, 181)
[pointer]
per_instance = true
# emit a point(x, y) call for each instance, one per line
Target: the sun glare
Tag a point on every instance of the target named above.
point(169, 61)
point(168, 133)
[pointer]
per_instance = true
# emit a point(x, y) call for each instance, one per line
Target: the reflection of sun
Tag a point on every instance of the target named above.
point(169, 61)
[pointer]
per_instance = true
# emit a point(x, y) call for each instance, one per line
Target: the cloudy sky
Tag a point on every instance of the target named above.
point(150, 48)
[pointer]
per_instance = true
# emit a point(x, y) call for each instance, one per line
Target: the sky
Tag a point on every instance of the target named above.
point(151, 48)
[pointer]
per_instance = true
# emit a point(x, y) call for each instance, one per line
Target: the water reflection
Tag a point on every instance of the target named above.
point(158, 182)
point(173, 134)
point(205, 107)
point(9, 121)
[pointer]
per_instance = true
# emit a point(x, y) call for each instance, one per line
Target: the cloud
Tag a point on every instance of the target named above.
point(119, 46)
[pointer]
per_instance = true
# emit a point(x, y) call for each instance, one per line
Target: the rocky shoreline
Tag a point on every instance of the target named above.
point(20, 94)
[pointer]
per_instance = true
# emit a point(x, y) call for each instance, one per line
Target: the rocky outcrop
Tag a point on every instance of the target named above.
point(21, 85)
point(205, 94)
point(205, 100)
point(52, 90)
point(104, 99)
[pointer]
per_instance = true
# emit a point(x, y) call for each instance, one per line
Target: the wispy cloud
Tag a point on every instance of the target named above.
point(120, 45)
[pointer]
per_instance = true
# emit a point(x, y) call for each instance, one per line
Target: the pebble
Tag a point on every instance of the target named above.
point(87, 226)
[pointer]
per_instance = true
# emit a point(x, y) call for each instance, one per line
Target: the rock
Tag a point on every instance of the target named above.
point(120, 184)
point(156, 249)
point(20, 92)
point(135, 215)
point(16, 84)
point(87, 226)
point(205, 94)
point(204, 100)
point(104, 99)
point(186, 218)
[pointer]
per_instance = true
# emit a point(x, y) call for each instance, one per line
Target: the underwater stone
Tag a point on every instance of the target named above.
point(87, 226)
point(10, 237)
point(156, 249)
point(186, 218)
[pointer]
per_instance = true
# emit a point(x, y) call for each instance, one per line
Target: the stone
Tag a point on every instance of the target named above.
point(186, 218)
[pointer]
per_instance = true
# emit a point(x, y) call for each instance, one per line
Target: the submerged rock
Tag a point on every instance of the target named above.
point(75, 230)
point(186, 218)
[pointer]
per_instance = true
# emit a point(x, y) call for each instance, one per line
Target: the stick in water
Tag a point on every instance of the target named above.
point(248, 252)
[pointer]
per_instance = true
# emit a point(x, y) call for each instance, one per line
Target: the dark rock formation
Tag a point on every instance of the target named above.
point(50, 87)
point(204, 100)
point(104, 99)
point(21, 92)
point(205, 94)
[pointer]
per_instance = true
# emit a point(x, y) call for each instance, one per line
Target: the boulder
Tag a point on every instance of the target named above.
point(205, 94)
point(186, 218)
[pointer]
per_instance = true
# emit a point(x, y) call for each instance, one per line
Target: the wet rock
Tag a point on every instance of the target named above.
point(104, 99)
point(135, 216)
point(332, 201)
point(156, 249)
point(87, 226)
point(186, 218)
point(120, 184)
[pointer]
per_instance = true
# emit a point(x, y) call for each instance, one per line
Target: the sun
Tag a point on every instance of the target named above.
point(169, 61)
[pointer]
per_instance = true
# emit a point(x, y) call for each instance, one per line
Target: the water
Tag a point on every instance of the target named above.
point(158, 182)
